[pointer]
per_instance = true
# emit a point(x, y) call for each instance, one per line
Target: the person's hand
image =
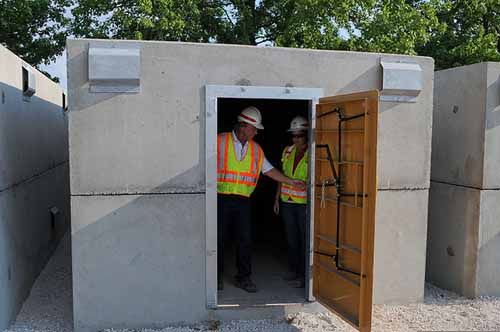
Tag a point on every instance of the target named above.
point(276, 207)
point(298, 183)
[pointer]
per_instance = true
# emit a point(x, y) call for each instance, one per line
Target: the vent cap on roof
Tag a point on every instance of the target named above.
point(115, 68)
point(401, 81)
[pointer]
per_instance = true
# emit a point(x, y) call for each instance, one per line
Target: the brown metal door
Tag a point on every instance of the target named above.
point(344, 205)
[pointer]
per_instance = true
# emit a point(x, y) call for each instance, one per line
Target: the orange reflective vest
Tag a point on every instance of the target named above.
point(288, 193)
point(237, 177)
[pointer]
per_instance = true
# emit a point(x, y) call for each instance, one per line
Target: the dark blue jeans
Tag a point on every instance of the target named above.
point(294, 218)
point(234, 212)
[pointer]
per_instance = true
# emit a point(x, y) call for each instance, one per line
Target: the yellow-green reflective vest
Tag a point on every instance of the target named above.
point(235, 177)
point(288, 193)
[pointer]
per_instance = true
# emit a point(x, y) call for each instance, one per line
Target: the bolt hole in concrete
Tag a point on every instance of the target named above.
point(269, 259)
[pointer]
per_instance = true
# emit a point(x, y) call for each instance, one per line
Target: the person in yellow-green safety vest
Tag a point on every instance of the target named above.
point(240, 161)
point(291, 201)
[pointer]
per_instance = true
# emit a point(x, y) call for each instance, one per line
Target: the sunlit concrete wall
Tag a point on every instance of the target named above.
point(137, 176)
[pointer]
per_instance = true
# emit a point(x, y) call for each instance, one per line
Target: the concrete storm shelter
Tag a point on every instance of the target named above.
point(143, 122)
point(464, 225)
point(34, 178)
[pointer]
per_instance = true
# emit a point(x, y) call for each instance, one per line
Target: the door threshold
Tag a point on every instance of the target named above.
point(259, 305)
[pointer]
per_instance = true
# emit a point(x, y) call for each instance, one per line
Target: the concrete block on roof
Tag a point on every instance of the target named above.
point(114, 67)
point(401, 80)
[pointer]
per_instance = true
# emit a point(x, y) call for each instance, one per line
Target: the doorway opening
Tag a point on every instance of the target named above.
point(269, 246)
point(278, 105)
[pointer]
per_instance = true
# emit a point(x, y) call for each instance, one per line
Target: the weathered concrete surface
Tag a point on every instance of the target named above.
point(463, 244)
point(27, 238)
point(488, 260)
point(138, 261)
point(400, 232)
point(459, 104)
point(33, 134)
point(138, 135)
point(452, 238)
point(151, 145)
point(463, 214)
point(491, 174)
point(34, 176)
point(466, 126)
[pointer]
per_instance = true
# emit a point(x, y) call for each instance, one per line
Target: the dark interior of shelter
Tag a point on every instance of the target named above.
point(269, 259)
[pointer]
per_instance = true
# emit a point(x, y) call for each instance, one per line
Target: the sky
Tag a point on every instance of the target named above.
point(58, 68)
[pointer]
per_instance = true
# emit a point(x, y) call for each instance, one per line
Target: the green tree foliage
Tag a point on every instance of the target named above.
point(35, 30)
point(293, 23)
point(454, 32)
point(397, 26)
point(470, 34)
point(184, 20)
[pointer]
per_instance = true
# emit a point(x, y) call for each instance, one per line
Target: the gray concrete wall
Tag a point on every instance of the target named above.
point(128, 144)
point(34, 177)
point(463, 213)
point(452, 237)
point(459, 103)
point(400, 246)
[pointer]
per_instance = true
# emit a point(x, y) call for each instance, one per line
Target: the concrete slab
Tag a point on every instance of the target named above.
point(138, 261)
point(459, 103)
point(129, 143)
point(488, 260)
point(453, 238)
point(400, 232)
point(27, 238)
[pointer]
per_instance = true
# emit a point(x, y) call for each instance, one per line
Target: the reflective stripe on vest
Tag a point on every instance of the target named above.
point(235, 176)
point(288, 193)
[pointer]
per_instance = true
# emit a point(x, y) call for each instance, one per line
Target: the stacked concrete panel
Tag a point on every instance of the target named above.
point(34, 180)
point(463, 247)
point(137, 164)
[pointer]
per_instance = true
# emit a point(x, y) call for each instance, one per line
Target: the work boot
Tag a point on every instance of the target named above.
point(246, 284)
point(220, 284)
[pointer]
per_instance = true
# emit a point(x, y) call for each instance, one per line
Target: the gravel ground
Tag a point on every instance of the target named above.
point(49, 309)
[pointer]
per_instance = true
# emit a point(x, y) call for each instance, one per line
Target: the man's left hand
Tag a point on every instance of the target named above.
point(298, 183)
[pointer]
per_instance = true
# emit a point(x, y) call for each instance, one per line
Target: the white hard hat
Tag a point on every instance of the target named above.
point(299, 123)
point(251, 115)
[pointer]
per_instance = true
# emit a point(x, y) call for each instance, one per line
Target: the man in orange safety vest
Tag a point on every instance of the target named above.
point(240, 161)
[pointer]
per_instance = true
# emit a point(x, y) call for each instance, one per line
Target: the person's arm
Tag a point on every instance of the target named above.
point(280, 177)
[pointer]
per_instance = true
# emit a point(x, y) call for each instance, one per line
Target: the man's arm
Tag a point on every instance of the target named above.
point(280, 177)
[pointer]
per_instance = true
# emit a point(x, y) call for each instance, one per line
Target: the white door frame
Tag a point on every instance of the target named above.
point(212, 93)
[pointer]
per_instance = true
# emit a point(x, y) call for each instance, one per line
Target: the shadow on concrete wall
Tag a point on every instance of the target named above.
point(33, 136)
point(34, 169)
